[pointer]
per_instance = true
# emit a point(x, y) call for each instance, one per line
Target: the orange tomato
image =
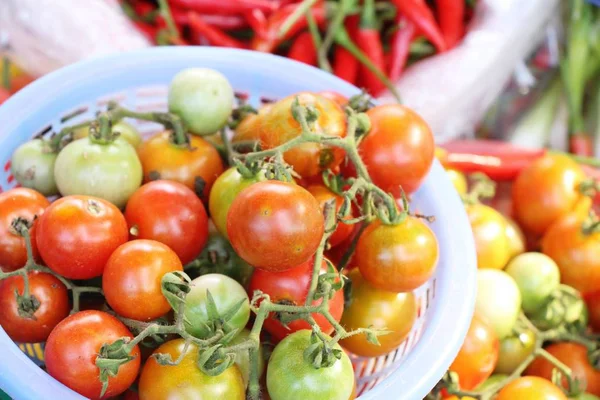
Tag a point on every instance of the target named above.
point(489, 230)
point(531, 388)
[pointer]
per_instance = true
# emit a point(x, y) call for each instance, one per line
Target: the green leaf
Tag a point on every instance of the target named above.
point(230, 313)
point(211, 307)
point(229, 336)
point(372, 338)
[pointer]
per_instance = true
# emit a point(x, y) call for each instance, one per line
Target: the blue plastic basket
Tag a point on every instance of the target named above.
point(139, 80)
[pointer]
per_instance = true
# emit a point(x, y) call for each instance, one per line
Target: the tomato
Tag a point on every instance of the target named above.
point(575, 252)
point(369, 306)
point(291, 287)
point(592, 301)
point(489, 231)
point(459, 181)
point(567, 312)
point(72, 349)
point(291, 377)
point(399, 149)
point(200, 162)
point(77, 234)
point(531, 388)
point(248, 129)
point(132, 279)
point(126, 131)
point(4, 95)
point(513, 351)
point(203, 98)
point(109, 171)
point(397, 258)
point(574, 356)
point(242, 359)
point(335, 96)
point(498, 300)
point(585, 396)
point(186, 380)
point(24, 203)
point(32, 165)
point(278, 126)
point(516, 238)
point(53, 308)
point(477, 357)
point(226, 188)
point(323, 195)
point(275, 225)
point(537, 276)
point(226, 293)
point(171, 213)
point(546, 190)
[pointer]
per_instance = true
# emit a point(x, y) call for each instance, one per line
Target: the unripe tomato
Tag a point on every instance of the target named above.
point(126, 131)
point(489, 231)
point(32, 165)
point(513, 351)
point(498, 300)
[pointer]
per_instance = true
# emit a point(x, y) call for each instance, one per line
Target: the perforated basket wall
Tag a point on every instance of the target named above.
point(139, 80)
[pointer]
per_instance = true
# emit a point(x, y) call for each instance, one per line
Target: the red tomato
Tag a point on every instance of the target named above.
point(54, 307)
point(477, 357)
point(72, 349)
point(399, 150)
point(132, 279)
point(291, 287)
point(24, 203)
point(531, 388)
point(592, 300)
point(170, 213)
point(77, 234)
point(275, 225)
point(248, 129)
point(323, 195)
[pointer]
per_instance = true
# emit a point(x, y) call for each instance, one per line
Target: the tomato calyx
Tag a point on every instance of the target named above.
point(483, 188)
point(320, 353)
point(175, 286)
point(565, 310)
point(241, 112)
point(361, 102)
point(591, 224)
point(110, 358)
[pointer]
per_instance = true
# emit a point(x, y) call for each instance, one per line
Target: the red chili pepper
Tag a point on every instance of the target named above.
point(581, 144)
point(345, 66)
point(213, 35)
point(451, 14)
point(401, 47)
point(419, 13)
point(303, 49)
point(226, 6)
point(368, 40)
point(258, 22)
point(226, 22)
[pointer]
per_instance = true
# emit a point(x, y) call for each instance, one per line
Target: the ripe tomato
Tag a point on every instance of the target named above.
point(24, 203)
point(531, 388)
point(516, 238)
point(275, 225)
point(513, 351)
point(477, 357)
point(323, 195)
point(575, 252)
point(54, 307)
point(181, 164)
point(291, 287)
point(291, 377)
point(489, 231)
point(399, 149)
point(592, 300)
point(545, 191)
point(278, 126)
point(186, 380)
point(498, 300)
point(72, 349)
point(77, 234)
point(248, 129)
point(574, 356)
point(171, 213)
point(397, 258)
point(132, 279)
point(369, 306)
point(335, 96)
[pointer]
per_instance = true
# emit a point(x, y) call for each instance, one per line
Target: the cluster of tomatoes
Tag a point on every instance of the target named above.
point(537, 312)
point(133, 215)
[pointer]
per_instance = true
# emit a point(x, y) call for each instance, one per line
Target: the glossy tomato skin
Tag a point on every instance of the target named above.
point(54, 307)
point(531, 388)
point(278, 126)
point(396, 312)
point(24, 203)
point(248, 129)
point(275, 225)
point(397, 258)
point(498, 300)
point(574, 356)
point(477, 357)
point(592, 300)
point(171, 213)
point(323, 195)
point(513, 351)
point(290, 377)
point(181, 164)
point(32, 165)
point(77, 234)
point(335, 96)
point(73, 346)
point(575, 252)
point(291, 287)
point(132, 279)
point(489, 231)
point(185, 380)
point(516, 238)
point(545, 191)
point(399, 150)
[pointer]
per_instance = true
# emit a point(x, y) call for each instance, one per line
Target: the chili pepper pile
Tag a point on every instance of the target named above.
point(368, 43)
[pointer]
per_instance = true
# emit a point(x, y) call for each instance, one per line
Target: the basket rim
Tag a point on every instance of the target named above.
point(448, 318)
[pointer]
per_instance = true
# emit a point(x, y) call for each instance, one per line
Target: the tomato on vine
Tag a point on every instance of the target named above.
point(489, 231)
point(335, 96)
point(125, 130)
point(531, 388)
point(323, 194)
point(516, 238)
point(248, 130)
point(513, 351)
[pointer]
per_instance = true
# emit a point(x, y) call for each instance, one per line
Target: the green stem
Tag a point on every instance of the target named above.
point(6, 73)
point(317, 40)
point(229, 151)
point(302, 9)
point(330, 225)
point(165, 11)
point(336, 25)
point(350, 251)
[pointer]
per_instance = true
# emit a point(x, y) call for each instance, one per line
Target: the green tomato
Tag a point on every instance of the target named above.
point(585, 396)
point(290, 377)
point(565, 310)
point(109, 171)
point(498, 300)
point(489, 382)
point(203, 98)
point(537, 276)
point(32, 165)
point(126, 131)
point(242, 359)
point(225, 292)
point(513, 351)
